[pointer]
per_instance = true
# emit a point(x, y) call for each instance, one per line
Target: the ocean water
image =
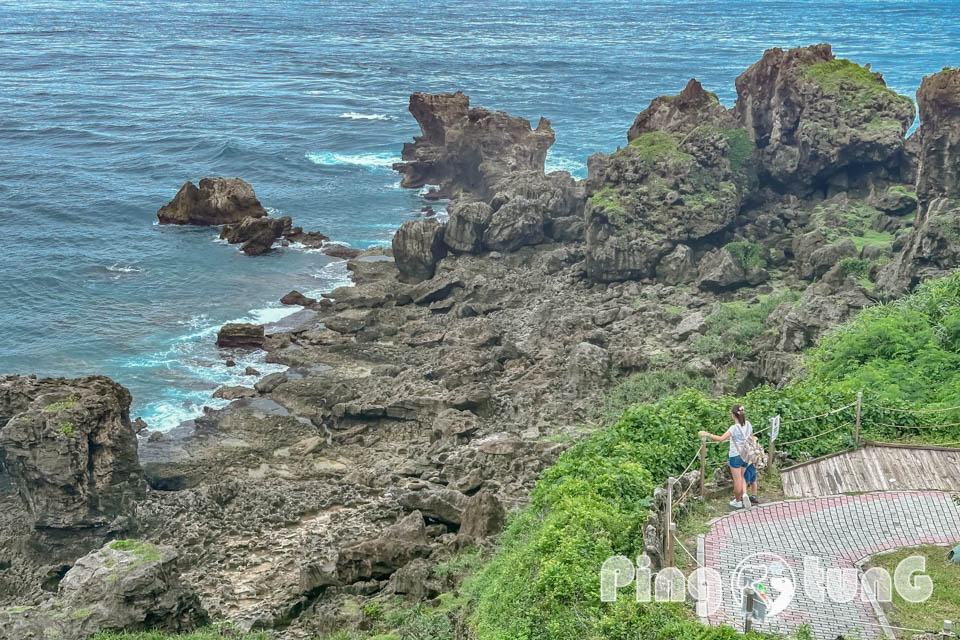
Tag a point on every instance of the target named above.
point(107, 108)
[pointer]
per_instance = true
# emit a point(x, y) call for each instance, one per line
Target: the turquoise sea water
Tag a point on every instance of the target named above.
point(107, 108)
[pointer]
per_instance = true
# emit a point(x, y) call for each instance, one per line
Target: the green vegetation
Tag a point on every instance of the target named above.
point(748, 255)
point(855, 86)
point(56, 407)
point(80, 614)
point(543, 582)
point(880, 127)
point(733, 327)
point(648, 386)
point(66, 428)
point(658, 146)
point(859, 268)
point(945, 601)
point(878, 238)
point(607, 199)
point(18, 610)
point(209, 633)
point(740, 150)
point(142, 551)
point(899, 188)
point(465, 561)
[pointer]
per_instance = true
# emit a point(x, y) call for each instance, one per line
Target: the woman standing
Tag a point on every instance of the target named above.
point(737, 434)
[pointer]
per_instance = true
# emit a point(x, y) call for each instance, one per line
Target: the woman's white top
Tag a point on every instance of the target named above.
point(738, 437)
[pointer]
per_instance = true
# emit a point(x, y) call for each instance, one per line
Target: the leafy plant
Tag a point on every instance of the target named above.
point(748, 255)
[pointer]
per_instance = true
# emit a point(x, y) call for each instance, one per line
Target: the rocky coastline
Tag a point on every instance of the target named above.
point(421, 404)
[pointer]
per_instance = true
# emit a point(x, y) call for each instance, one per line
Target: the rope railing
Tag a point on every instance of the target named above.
point(818, 435)
point(822, 415)
point(902, 410)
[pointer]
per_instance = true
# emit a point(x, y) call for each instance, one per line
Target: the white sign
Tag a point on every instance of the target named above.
point(774, 427)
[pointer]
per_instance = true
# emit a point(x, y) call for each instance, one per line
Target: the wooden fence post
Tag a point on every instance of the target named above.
point(856, 428)
point(668, 559)
point(703, 468)
point(771, 452)
point(748, 620)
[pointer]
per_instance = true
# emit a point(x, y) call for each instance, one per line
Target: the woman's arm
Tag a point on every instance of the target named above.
point(707, 434)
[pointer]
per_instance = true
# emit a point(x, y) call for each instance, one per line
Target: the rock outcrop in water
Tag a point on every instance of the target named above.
point(464, 149)
point(933, 248)
point(818, 120)
point(215, 201)
point(72, 454)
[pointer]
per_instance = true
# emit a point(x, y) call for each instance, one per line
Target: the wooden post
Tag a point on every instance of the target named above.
point(748, 620)
point(703, 468)
point(856, 428)
point(667, 525)
point(771, 451)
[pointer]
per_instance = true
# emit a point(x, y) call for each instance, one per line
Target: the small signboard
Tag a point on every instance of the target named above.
point(774, 427)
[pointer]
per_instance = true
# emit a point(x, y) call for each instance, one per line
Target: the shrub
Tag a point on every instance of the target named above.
point(748, 255)
point(648, 386)
point(733, 327)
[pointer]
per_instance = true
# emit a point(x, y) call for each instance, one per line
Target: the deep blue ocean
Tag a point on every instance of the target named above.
point(107, 108)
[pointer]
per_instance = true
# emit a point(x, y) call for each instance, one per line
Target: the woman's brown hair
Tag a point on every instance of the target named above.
point(738, 414)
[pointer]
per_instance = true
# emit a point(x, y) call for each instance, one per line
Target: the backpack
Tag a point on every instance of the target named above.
point(752, 452)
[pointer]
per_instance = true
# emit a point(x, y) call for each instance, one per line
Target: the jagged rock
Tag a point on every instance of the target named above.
point(452, 423)
point(685, 111)
point(690, 324)
point(719, 270)
point(933, 248)
point(128, 585)
point(72, 454)
point(268, 383)
point(820, 308)
point(483, 516)
point(529, 207)
point(438, 503)
point(668, 186)
point(295, 298)
point(588, 367)
point(250, 371)
point(413, 579)
point(217, 201)
point(255, 235)
point(468, 221)
point(232, 393)
point(464, 149)
point(895, 201)
point(417, 247)
point(341, 251)
point(814, 256)
point(309, 239)
point(813, 117)
point(240, 335)
point(677, 266)
point(381, 557)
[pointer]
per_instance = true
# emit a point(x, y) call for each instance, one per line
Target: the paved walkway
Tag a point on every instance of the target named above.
point(840, 531)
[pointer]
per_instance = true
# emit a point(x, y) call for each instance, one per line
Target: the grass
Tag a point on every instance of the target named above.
point(899, 188)
point(18, 610)
point(648, 386)
point(607, 199)
point(873, 238)
point(658, 146)
point(66, 428)
point(733, 327)
point(855, 86)
point(56, 407)
point(463, 562)
point(142, 551)
point(208, 633)
point(942, 605)
point(740, 150)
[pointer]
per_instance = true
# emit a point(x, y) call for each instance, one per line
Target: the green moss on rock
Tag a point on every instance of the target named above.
point(658, 146)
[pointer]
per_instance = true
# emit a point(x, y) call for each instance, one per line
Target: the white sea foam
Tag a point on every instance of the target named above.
point(576, 168)
point(365, 116)
point(118, 268)
point(369, 160)
point(332, 275)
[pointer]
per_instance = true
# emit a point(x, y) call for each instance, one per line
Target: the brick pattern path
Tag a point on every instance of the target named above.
point(840, 530)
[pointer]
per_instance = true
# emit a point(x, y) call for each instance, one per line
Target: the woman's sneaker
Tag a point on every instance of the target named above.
point(736, 504)
point(753, 500)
